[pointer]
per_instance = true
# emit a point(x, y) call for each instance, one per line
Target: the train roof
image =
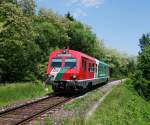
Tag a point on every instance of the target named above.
point(80, 54)
point(103, 63)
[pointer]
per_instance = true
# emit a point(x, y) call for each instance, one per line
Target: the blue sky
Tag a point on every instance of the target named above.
point(120, 23)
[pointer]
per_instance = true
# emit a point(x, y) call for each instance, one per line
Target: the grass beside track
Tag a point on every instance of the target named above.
point(80, 106)
point(123, 106)
point(12, 93)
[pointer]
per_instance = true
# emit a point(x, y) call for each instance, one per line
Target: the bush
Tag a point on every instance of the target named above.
point(41, 70)
point(141, 78)
point(141, 85)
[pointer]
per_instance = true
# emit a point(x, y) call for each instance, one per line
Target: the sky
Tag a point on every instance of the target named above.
point(120, 23)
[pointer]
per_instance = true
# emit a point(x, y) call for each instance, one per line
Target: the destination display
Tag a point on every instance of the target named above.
point(60, 55)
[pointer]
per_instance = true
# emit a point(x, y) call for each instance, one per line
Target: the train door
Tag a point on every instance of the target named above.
point(95, 70)
point(91, 70)
point(84, 69)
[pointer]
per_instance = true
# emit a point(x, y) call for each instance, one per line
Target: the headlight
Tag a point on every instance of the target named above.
point(74, 76)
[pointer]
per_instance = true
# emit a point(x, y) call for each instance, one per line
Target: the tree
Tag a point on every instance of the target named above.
point(8, 1)
point(144, 56)
point(18, 51)
point(26, 39)
point(81, 38)
point(141, 77)
point(27, 6)
point(131, 65)
point(144, 41)
point(69, 16)
point(144, 62)
point(50, 32)
point(99, 50)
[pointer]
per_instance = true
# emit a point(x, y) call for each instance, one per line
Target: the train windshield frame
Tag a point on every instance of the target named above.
point(56, 62)
point(70, 62)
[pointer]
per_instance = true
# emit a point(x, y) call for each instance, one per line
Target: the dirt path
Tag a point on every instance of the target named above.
point(107, 88)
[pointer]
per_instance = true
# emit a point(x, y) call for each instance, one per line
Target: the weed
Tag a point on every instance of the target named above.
point(12, 93)
point(123, 106)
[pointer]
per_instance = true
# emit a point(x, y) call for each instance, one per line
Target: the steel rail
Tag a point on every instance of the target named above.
point(41, 106)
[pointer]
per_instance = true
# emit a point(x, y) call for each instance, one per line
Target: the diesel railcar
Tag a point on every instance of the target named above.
point(70, 70)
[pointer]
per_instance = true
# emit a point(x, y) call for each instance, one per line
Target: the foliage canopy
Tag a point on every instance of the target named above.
point(27, 38)
point(141, 78)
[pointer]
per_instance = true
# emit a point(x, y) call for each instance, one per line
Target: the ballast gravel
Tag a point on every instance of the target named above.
point(56, 117)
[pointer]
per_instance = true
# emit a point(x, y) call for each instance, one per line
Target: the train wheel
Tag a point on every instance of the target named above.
point(106, 81)
point(55, 88)
point(89, 87)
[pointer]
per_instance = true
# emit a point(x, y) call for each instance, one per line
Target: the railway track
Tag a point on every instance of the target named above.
point(27, 112)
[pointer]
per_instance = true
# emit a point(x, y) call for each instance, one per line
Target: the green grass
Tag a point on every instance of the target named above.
point(72, 105)
point(81, 104)
point(123, 106)
point(48, 121)
point(11, 93)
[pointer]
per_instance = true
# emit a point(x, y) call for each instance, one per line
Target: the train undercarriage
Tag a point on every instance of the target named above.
point(75, 86)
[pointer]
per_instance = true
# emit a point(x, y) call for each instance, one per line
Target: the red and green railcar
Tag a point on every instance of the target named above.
point(70, 70)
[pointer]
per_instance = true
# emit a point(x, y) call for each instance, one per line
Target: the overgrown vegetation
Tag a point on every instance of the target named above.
point(11, 93)
point(141, 77)
point(122, 106)
point(27, 38)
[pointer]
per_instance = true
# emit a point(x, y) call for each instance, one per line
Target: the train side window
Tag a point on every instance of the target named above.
point(105, 70)
point(102, 69)
point(96, 68)
point(84, 65)
point(89, 67)
point(93, 67)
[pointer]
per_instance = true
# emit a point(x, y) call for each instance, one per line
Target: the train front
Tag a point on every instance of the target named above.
point(62, 70)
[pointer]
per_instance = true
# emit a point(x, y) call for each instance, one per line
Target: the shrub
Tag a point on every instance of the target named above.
point(141, 85)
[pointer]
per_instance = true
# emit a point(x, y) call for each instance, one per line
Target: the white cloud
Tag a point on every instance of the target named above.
point(79, 12)
point(91, 3)
point(78, 7)
point(86, 3)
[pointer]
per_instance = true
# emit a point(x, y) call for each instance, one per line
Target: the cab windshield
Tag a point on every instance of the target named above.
point(56, 62)
point(70, 63)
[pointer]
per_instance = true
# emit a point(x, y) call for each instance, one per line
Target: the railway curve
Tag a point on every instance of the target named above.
point(27, 112)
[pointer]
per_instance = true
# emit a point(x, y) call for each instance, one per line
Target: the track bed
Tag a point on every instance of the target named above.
point(27, 112)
